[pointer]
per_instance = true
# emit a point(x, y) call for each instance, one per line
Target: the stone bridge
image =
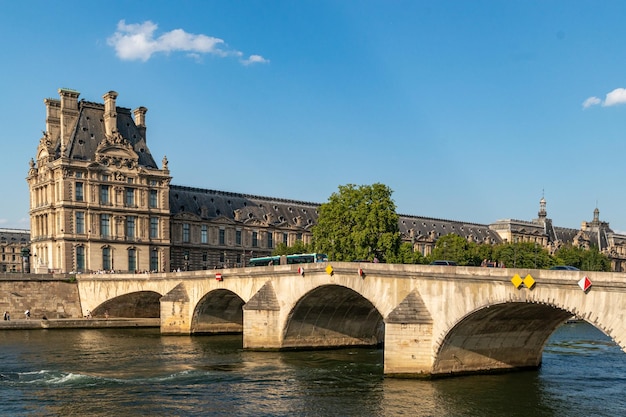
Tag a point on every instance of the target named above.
point(431, 320)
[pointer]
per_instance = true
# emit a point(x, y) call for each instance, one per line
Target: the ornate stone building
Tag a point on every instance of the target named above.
point(14, 250)
point(215, 228)
point(98, 201)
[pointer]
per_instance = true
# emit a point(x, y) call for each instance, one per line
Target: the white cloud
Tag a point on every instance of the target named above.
point(615, 97)
point(137, 42)
point(591, 101)
point(255, 59)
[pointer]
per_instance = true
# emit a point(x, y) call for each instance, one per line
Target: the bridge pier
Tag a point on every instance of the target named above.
point(262, 328)
point(408, 350)
point(409, 339)
point(175, 311)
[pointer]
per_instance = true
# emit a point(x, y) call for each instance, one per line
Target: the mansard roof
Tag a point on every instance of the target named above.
point(243, 208)
point(564, 234)
point(432, 228)
point(90, 131)
point(14, 236)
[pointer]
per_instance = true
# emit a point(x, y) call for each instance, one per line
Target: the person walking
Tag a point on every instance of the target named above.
point(27, 314)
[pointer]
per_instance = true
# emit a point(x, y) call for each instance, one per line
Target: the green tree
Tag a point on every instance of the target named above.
point(593, 260)
point(523, 255)
point(584, 259)
point(358, 222)
point(406, 255)
point(452, 247)
point(481, 252)
point(569, 255)
point(297, 247)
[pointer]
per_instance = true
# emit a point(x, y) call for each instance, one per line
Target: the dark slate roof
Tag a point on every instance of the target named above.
point(427, 227)
point(14, 236)
point(564, 234)
point(89, 133)
point(211, 204)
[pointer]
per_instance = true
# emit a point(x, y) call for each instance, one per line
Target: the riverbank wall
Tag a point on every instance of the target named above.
point(50, 295)
point(81, 323)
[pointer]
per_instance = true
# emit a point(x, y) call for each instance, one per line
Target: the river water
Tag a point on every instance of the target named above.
point(138, 372)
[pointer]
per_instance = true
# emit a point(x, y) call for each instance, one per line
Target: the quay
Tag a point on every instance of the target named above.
point(81, 323)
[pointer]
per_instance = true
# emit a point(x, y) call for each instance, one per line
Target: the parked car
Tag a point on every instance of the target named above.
point(565, 268)
point(443, 262)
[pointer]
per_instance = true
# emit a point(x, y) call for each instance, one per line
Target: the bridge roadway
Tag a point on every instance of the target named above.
point(431, 320)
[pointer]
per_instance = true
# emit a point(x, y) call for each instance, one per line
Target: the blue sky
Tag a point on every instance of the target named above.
point(467, 110)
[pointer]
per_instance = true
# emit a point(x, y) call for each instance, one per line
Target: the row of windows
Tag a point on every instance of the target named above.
point(105, 195)
point(107, 261)
point(105, 225)
point(186, 232)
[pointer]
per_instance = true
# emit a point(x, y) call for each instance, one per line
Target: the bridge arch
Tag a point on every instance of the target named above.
point(219, 311)
point(330, 316)
point(138, 304)
point(498, 337)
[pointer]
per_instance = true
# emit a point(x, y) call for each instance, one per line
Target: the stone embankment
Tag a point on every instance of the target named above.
point(53, 296)
point(84, 323)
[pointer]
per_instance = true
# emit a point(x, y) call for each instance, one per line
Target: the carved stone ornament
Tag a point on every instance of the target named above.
point(116, 151)
point(46, 140)
point(33, 168)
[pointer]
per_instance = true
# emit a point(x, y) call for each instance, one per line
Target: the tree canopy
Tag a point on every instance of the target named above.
point(358, 222)
point(297, 247)
point(587, 260)
point(512, 255)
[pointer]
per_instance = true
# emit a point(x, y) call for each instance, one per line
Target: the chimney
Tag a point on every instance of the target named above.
point(53, 117)
point(110, 113)
point(69, 114)
point(140, 120)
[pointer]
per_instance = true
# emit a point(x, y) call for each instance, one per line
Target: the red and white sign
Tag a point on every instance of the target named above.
point(584, 283)
point(218, 277)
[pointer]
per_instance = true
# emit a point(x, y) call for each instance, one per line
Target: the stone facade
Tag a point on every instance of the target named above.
point(99, 202)
point(219, 229)
point(14, 250)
